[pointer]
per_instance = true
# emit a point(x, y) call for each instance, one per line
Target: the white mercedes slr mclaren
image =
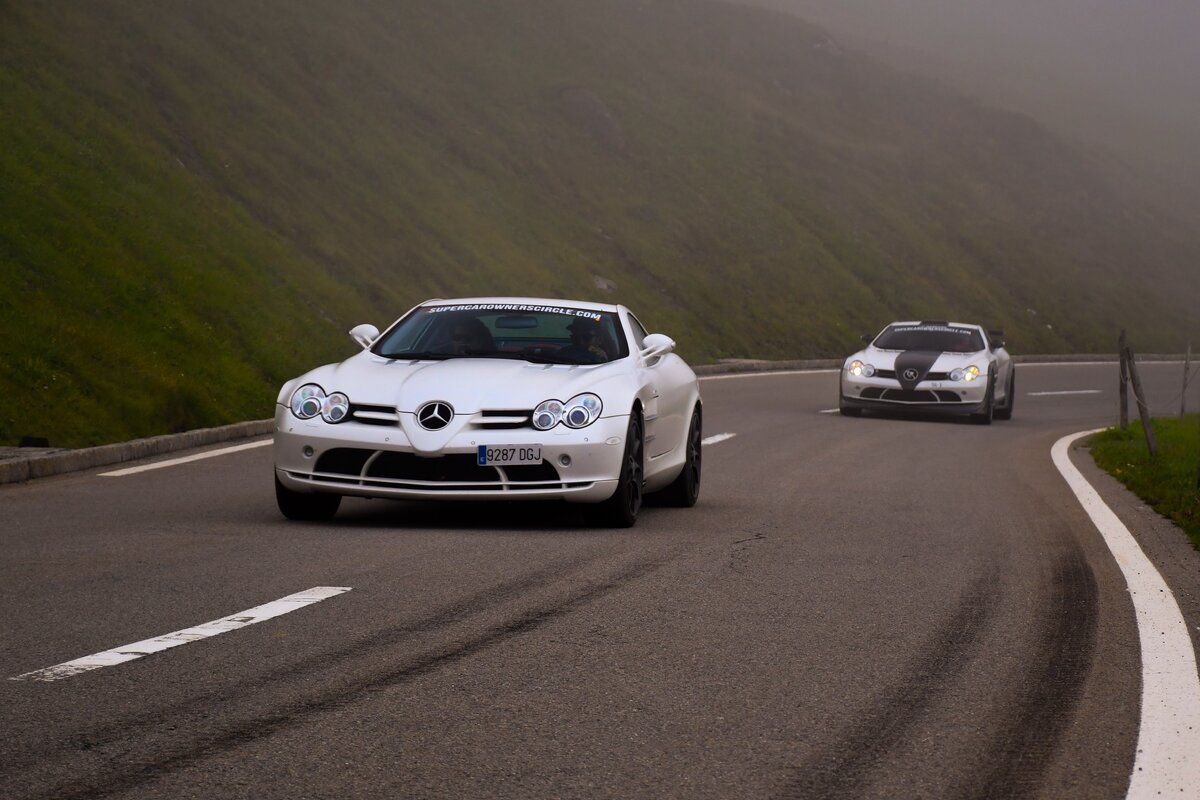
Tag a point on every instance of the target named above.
point(494, 399)
point(939, 367)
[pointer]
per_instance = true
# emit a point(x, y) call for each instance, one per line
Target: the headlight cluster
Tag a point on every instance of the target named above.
point(310, 400)
point(966, 375)
point(860, 370)
point(578, 412)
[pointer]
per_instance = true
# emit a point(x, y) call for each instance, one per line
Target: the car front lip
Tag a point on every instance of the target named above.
point(595, 454)
point(970, 395)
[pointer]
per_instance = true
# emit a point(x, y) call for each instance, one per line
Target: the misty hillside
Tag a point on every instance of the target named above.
point(198, 200)
point(1120, 77)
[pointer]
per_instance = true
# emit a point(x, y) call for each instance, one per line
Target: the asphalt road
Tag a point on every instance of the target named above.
point(875, 607)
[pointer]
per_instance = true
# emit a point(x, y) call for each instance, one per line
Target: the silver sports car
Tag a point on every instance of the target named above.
point(494, 398)
point(932, 366)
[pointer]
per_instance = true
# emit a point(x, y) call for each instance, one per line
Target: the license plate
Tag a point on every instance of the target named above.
point(503, 455)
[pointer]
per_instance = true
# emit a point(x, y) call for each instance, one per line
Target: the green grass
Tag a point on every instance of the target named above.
point(1167, 483)
point(198, 200)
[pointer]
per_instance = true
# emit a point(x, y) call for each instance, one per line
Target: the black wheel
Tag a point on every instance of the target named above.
point(1010, 397)
point(621, 510)
point(308, 507)
point(684, 491)
point(847, 411)
point(985, 414)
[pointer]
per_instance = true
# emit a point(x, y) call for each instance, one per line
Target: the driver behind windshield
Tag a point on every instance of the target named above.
point(470, 336)
point(585, 343)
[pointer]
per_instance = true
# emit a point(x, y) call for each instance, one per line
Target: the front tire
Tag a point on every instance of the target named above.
point(684, 491)
point(621, 510)
point(988, 411)
point(1010, 397)
point(306, 507)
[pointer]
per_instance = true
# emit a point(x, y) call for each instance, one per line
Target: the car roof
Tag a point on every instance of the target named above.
point(522, 301)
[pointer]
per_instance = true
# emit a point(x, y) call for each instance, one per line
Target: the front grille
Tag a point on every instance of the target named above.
point(499, 420)
point(457, 471)
point(373, 415)
point(932, 376)
point(902, 396)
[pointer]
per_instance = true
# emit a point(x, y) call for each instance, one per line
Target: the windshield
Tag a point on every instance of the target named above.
point(535, 333)
point(936, 338)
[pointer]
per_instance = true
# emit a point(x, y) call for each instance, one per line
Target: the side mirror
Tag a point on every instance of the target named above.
point(364, 334)
point(997, 339)
point(867, 338)
point(656, 345)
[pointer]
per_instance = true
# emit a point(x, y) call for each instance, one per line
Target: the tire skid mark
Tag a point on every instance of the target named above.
point(478, 603)
point(1026, 742)
point(223, 739)
point(840, 769)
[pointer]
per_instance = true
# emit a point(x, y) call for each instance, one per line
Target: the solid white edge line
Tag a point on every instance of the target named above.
point(717, 438)
point(184, 460)
point(1167, 762)
point(129, 652)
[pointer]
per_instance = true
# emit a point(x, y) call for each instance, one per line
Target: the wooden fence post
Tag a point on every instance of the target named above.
point(1187, 368)
point(1138, 395)
point(1123, 389)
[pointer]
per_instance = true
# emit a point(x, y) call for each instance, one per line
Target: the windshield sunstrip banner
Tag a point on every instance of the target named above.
point(518, 307)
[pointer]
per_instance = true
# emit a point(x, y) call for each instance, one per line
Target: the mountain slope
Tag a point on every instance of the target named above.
point(199, 199)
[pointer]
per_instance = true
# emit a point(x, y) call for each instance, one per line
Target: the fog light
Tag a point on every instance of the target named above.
point(308, 451)
point(564, 460)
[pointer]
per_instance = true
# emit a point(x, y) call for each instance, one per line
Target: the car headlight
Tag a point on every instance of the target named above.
point(966, 375)
point(578, 412)
point(547, 414)
point(336, 407)
point(582, 410)
point(860, 370)
point(308, 401)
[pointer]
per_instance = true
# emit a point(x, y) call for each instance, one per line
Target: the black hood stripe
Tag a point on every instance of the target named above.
point(913, 365)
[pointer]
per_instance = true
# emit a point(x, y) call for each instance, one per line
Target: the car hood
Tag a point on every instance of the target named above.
point(937, 362)
point(467, 384)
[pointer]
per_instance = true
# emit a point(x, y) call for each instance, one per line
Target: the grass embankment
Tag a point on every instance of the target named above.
point(197, 200)
point(1168, 482)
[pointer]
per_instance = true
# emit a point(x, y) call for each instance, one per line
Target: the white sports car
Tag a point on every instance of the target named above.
point(494, 399)
point(944, 367)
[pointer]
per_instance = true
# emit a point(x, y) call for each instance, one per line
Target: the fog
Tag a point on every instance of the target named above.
point(1120, 75)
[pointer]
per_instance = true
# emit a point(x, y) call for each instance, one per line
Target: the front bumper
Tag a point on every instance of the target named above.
point(401, 461)
point(942, 397)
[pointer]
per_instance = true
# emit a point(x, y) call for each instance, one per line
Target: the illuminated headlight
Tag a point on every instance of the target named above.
point(581, 411)
point(308, 401)
point(336, 407)
point(860, 370)
point(966, 375)
point(547, 414)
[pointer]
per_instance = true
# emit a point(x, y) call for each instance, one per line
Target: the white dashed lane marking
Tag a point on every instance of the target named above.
point(720, 437)
point(129, 652)
point(1076, 391)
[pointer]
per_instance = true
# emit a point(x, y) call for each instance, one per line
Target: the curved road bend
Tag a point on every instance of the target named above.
point(872, 608)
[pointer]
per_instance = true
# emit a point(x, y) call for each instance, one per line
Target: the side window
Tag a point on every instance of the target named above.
point(639, 332)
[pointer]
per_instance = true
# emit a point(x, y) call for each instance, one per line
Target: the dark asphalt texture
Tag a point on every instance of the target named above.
point(882, 607)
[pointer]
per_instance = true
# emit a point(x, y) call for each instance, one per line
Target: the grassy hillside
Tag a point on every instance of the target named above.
point(198, 200)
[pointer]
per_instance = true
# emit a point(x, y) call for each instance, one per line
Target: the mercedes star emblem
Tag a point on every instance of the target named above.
point(434, 416)
point(910, 374)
